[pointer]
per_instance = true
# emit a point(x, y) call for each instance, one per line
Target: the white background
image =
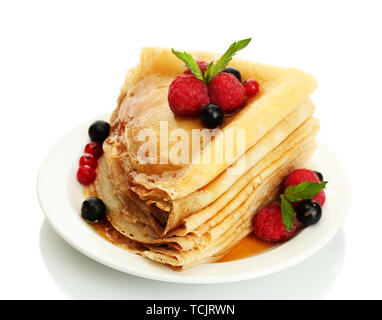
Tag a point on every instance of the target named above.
point(63, 62)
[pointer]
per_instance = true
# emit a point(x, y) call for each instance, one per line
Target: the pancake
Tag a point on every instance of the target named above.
point(198, 199)
point(185, 213)
point(171, 213)
point(122, 219)
point(143, 105)
point(220, 241)
point(227, 230)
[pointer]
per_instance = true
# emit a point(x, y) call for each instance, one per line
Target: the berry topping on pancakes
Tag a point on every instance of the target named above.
point(187, 95)
point(222, 86)
point(212, 116)
point(227, 92)
point(234, 71)
point(251, 88)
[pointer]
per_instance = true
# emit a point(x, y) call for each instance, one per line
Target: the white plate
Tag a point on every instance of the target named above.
point(61, 196)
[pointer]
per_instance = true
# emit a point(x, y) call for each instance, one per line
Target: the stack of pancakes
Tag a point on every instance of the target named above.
point(183, 214)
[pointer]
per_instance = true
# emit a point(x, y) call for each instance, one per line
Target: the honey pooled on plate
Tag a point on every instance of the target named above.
point(247, 247)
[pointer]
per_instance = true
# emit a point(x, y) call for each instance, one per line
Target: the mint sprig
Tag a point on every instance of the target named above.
point(287, 212)
point(190, 63)
point(212, 69)
point(303, 191)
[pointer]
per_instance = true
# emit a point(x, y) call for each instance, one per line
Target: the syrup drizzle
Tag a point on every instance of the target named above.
point(247, 247)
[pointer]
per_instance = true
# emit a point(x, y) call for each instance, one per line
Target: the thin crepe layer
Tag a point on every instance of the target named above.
point(221, 244)
point(253, 194)
point(202, 198)
point(139, 248)
point(265, 166)
point(143, 105)
point(123, 213)
point(199, 199)
point(290, 128)
point(200, 222)
point(132, 222)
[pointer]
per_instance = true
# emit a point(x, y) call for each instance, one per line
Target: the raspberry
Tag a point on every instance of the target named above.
point(320, 197)
point(202, 66)
point(187, 95)
point(301, 175)
point(268, 224)
point(251, 88)
point(227, 92)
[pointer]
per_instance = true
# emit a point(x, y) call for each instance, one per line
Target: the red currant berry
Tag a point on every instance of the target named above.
point(251, 88)
point(86, 175)
point(88, 160)
point(94, 148)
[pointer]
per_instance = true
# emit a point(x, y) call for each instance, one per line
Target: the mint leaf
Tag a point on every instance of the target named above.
point(208, 70)
point(304, 191)
point(190, 63)
point(214, 69)
point(287, 213)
